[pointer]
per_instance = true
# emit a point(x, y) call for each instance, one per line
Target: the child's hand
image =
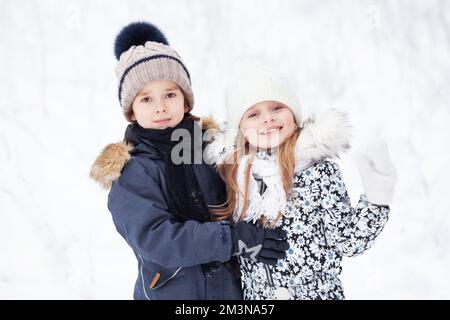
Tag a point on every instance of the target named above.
point(258, 244)
point(378, 174)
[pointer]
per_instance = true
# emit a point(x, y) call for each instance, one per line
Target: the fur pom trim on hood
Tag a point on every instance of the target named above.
point(325, 135)
point(108, 166)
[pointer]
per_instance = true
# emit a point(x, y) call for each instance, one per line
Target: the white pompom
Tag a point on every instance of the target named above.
point(282, 293)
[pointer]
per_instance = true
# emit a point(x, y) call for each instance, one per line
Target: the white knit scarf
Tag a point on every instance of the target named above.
point(273, 200)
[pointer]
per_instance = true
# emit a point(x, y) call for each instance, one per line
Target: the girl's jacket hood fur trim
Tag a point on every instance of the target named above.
point(325, 135)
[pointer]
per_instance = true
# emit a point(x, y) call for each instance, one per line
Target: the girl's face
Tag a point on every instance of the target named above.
point(159, 105)
point(267, 125)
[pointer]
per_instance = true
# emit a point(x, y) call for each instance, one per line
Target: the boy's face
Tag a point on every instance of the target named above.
point(267, 125)
point(159, 105)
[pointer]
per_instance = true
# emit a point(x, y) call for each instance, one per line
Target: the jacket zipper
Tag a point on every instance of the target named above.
point(158, 286)
point(142, 276)
point(269, 275)
point(165, 281)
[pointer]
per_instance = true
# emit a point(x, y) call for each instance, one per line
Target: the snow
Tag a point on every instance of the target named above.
point(385, 62)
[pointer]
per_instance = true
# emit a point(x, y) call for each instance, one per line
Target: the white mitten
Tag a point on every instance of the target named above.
point(378, 174)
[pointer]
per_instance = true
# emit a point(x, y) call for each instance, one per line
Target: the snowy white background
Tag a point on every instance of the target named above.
point(385, 62)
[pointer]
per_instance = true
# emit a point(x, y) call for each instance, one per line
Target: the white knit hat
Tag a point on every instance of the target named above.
point(254, 82)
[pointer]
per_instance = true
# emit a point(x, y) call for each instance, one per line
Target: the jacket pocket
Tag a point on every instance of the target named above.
point(162, 277)
point(154, 276)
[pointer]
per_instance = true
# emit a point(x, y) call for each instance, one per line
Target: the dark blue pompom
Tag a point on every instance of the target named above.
point(135, 34)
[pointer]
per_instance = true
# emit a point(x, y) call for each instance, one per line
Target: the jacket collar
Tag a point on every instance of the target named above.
point(108, 166)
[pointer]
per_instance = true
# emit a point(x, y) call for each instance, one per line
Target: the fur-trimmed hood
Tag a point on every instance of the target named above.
point(108, 166)
point(325, 135)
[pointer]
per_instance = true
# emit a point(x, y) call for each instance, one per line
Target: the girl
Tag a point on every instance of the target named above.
point(276, 167)
point(160, 196)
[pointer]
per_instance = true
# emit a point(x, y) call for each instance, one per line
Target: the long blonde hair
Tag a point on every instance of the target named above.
point(229, 168)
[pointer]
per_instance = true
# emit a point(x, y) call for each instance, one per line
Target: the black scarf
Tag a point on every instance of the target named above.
point(186, 200)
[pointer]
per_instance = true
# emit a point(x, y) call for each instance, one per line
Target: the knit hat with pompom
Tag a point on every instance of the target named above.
point(144, 55)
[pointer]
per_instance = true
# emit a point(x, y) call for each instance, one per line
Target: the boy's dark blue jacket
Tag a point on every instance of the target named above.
point(176, 260)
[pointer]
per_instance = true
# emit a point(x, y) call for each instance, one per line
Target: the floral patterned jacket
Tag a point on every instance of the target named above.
point(321, 224)
point(322, 227)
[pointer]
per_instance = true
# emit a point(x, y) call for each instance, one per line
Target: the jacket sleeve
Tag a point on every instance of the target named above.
point(141, 216)
point(351, 231)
